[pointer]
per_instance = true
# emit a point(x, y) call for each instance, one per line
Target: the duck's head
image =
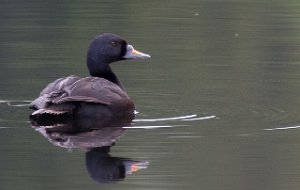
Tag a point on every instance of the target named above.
point(108, 48)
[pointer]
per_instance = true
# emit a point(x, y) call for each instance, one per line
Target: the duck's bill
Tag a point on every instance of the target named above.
point(131, 53)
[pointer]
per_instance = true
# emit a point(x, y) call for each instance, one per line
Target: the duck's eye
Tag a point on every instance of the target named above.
point(113, 43)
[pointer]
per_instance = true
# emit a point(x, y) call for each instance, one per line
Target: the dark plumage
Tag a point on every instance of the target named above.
point(102, 89)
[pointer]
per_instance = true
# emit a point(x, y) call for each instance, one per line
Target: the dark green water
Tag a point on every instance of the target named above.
point(237, 61)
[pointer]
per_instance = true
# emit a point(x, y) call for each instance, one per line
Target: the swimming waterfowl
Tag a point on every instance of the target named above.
point(102, 89)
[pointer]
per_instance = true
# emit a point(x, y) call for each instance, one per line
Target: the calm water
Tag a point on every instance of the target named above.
point(230, 68)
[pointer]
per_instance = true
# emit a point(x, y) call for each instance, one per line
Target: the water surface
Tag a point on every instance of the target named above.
point(237, 61)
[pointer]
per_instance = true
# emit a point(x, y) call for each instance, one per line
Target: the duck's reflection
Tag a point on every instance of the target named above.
point(103, 168)
point(90, 135)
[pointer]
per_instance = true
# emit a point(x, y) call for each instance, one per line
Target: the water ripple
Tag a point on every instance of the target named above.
point(16, 103)
point(282, 128)
point(192, 117)
point(153, 126)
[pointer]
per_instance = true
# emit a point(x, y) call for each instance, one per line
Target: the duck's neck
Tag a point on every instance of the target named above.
point(106, 73)
point(110, 76)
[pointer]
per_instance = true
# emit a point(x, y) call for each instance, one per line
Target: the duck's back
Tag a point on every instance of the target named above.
point(64, 93)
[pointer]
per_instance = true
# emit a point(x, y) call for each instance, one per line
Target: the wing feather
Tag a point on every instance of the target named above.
point(73, 88)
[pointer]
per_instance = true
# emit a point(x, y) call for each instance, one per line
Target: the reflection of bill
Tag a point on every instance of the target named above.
point(88, 134)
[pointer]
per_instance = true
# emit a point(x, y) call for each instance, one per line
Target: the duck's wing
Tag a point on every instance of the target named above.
point(92, 89)
point(76, 89)
point(60, 84)
point(52, 90)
